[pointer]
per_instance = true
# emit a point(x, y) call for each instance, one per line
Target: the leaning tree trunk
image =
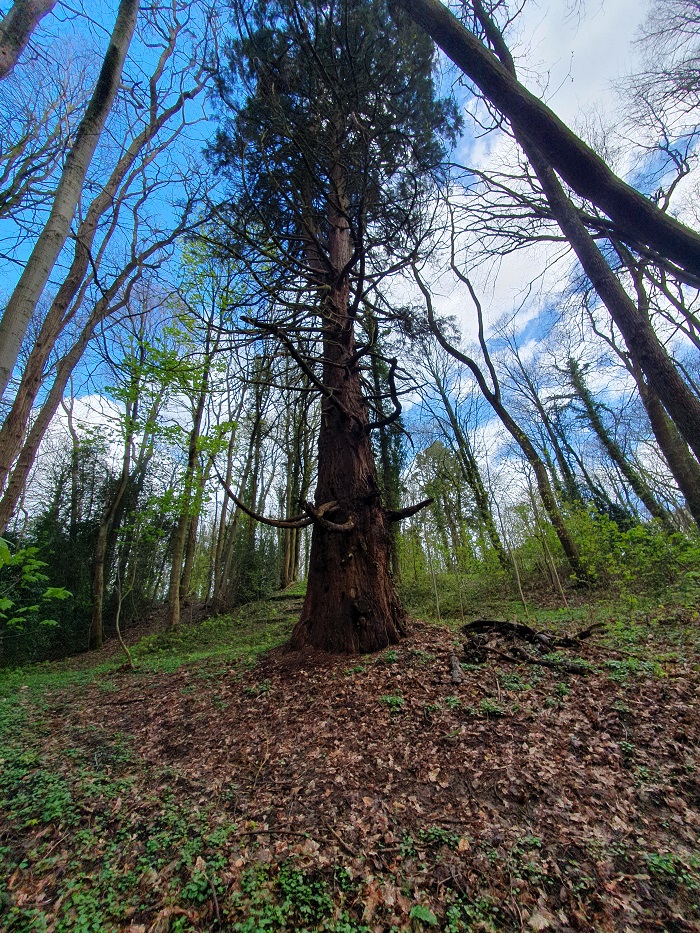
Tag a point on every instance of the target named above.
point(493, 397)
point(683, 465)
point(552, 148)
point(639, 218)
point(351, 603)
point(16, 30)
point(52, 238)
point(613, 449)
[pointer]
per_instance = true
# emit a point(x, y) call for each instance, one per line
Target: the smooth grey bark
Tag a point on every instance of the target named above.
point(52, 238)
point(109, 198)
point(108, 304)
point(683, 465)
point(16, 30)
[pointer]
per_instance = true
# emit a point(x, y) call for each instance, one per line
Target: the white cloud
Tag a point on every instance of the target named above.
point(573, 60)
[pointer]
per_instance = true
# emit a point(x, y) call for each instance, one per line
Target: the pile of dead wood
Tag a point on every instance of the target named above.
point(507, 641)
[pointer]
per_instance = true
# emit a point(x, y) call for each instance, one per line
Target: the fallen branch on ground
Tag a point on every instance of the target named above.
point(545, 643)
point(547, 639)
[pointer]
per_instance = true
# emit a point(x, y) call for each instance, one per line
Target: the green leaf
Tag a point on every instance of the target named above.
point(418, 912)
point(56, 592)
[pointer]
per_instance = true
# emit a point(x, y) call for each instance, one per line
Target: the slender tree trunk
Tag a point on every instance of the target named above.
point(683, 466)
point(222, 592)
point(567, 484)
point(16, 30)
point(191, 543)
point(389, 474)
point(186, 516)
point(28, 452)
point(645, 348)
point(100, 558)
point(612, 448)
point(470, 471)
point(351, 603)
point(221, 535)
point(114, 511)
point(37, 270)
point(493, 397)
point(176, 571)
point(98, 585)
point(545, 490)
point(74, 470)
point(190, 551)
point(289, 502)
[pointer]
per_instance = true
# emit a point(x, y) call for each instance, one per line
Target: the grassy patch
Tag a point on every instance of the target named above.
point(241, 637)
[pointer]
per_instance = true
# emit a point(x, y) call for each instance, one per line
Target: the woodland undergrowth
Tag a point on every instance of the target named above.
point(227, 784)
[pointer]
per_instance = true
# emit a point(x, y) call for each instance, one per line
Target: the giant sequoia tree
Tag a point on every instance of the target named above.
point(331, 136)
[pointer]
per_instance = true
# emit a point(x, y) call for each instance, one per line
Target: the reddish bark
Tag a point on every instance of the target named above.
point(351, 602)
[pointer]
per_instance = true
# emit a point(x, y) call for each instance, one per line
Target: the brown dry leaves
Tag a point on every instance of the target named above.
point(555, 798)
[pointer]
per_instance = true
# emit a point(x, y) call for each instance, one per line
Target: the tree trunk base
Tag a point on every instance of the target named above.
point(351, 604)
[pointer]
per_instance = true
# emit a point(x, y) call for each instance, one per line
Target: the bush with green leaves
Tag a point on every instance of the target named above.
point(644, 558)
point(25, 601)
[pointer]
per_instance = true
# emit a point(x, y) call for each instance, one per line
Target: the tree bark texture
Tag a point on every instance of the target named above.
point(40, 424)
point(15, 424)
point(642, 342)
point(683, 466)
point(638, 219)
point(52, 238)
point(351, 603)
point(16, 30)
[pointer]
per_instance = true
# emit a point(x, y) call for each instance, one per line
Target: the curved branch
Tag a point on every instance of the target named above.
point(316, 515)
point(299, 521)
point(396, 413)
point(398, 515)
point(299, 360)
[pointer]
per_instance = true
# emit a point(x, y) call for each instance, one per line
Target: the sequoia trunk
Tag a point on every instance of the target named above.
point(351, 603)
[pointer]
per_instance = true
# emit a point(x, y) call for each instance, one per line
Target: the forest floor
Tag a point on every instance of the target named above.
point(227, 785)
